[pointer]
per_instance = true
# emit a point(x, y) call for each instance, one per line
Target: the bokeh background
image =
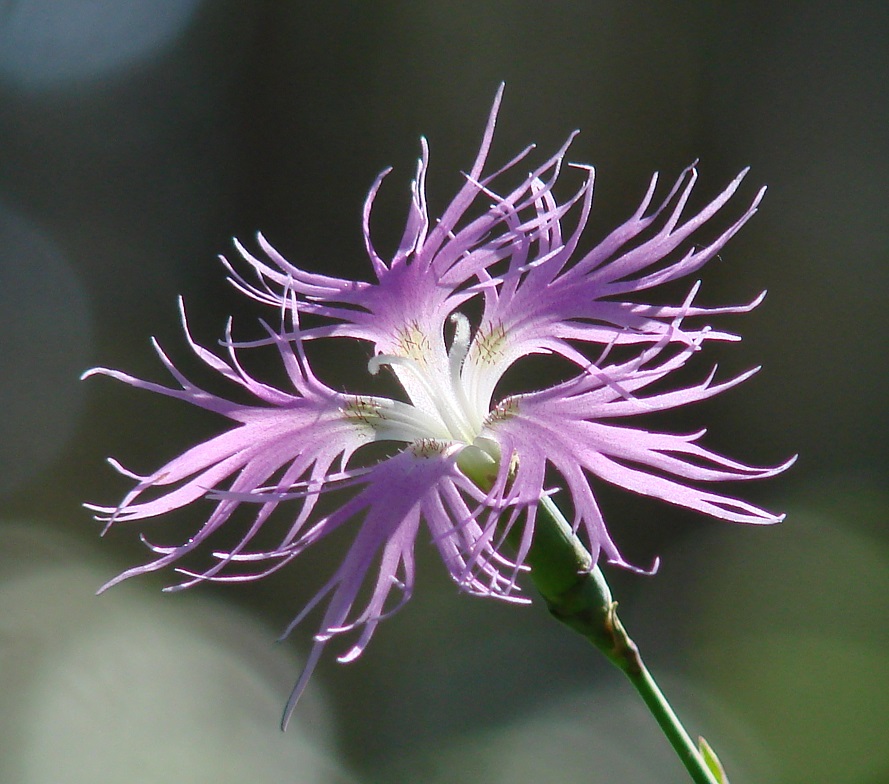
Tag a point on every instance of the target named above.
point(137, 137)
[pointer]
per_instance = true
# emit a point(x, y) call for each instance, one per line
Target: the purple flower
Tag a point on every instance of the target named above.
point(466, 464)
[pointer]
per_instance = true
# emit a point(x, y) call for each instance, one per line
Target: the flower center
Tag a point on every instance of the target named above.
point(446, 411)
point(437, 389)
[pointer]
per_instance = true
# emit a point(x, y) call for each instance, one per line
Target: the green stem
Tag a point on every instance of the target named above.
point(577, 594)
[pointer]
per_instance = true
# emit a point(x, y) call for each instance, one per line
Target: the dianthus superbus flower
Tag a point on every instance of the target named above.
point(467, 465)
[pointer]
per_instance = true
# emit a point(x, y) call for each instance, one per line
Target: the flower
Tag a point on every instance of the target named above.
point(469, 466)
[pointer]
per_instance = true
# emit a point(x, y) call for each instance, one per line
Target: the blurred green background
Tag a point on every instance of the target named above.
point(136, 138)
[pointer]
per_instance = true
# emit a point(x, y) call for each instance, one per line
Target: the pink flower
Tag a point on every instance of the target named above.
point(465, 464)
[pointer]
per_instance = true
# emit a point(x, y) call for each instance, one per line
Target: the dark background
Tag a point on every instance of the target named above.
point(137, 138)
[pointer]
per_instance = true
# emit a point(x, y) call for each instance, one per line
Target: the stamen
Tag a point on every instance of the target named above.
point(460, 344)
point(376, 362)
point(456, 357)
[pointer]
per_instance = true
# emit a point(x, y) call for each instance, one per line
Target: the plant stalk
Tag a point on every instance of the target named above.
point(577, 594)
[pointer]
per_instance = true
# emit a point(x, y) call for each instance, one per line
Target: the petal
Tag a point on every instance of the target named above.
point(564, 427)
